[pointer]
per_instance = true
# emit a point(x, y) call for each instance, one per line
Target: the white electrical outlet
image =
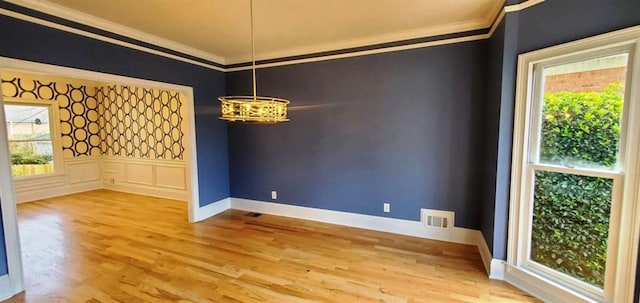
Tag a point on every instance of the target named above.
point(387, 207)
point(274, 194)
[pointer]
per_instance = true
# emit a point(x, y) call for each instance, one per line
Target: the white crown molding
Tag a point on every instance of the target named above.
point(521, 6)
point(365, 52)
point(452, 28)
point(89, 20)
point(93, 21)
point(495, 24)
point(103, 38)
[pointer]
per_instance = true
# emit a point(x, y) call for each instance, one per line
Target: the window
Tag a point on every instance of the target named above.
point(30, 139)
point(573, 233)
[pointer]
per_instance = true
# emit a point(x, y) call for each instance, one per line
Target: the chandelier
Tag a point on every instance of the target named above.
point(253, 109)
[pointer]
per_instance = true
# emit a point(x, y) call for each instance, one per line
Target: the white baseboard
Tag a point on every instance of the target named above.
point(212, 209)
point(494, 267)
point(6, 290)
point(498, 268)
point(146, 191)
point(390, 225)
point(32, 194)
point(485, 253)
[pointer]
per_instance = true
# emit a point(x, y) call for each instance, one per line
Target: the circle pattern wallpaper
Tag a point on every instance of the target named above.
point(139, 122)
point(113, 120)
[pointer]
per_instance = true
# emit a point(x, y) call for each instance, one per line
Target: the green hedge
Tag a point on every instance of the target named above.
point(571, 213)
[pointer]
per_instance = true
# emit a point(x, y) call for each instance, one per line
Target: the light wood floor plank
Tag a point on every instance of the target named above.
point(105, 246)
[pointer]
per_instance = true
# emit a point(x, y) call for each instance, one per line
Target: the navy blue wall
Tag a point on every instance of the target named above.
point(505, 135)
point(420, 128)
point(556, 22)
point(28, 41)
point(491, 131)
point(402, 127)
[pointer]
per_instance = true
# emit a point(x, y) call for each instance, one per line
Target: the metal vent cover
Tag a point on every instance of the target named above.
point(437, 218)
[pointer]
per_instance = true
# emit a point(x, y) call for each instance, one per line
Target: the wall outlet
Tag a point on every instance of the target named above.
point(274, 195)
point(112, 181)
point(387, 207)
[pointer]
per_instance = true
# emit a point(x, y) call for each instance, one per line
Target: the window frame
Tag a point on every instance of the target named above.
point(625, 218)
point(54, 129)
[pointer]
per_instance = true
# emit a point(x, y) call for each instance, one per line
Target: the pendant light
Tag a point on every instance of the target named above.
point(253, 109)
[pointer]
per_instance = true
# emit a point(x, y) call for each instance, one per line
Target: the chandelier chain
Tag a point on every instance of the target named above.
point(253, 52)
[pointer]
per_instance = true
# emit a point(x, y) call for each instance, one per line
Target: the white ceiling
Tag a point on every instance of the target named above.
point(219, 29)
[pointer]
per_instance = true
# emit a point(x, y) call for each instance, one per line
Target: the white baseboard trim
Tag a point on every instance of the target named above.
point(212, 209)
point(485, 253)
point(33, 194)
point(6, 290)
point(390, 225)
point(495, 267)
point(498, 268)
point(146, 191)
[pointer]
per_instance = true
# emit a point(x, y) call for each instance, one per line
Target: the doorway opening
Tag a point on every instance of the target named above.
point(67, 131)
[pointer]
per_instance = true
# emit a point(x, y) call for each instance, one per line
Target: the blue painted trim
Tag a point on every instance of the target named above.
point(39, 15)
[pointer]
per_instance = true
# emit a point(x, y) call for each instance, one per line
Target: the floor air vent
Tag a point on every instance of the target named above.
point(436, 218)
point(255, 215)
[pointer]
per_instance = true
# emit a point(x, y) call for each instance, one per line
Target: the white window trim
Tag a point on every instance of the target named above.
point(624, 269)
point(56, 135)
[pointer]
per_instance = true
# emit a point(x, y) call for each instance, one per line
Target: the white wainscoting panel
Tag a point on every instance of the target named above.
point(157, 178)
point(113, 171)
point(139, 173)
point(77, 175)
point(81, 172)
point(171, 177)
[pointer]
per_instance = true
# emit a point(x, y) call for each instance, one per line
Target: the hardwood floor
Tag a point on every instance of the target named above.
point(105, 246)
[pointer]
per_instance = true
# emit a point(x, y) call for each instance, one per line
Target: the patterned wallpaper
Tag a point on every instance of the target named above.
point(78, 112)
point(141, 123)
point(112, 120)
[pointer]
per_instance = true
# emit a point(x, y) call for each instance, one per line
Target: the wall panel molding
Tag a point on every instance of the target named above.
point(157, 178)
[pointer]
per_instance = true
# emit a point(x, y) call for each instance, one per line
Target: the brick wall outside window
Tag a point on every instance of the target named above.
point(589, 81)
